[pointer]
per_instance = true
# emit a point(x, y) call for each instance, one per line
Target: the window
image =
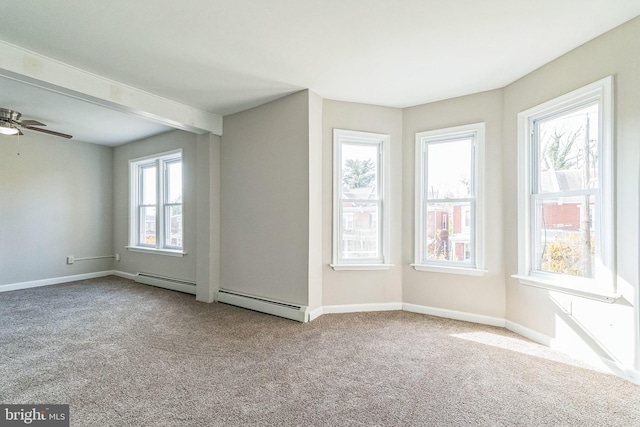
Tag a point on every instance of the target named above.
point(566, 193)
point(449, 200)
point(360, 207)
point(156, 203)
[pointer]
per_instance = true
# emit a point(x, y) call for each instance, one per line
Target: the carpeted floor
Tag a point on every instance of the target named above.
point(125, 354)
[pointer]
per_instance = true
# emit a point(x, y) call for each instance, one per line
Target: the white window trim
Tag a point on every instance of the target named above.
point(134, 220)
point(168, 252)
point(603, 286)
point(340, 135)
point(463, 271)
point(478, 131)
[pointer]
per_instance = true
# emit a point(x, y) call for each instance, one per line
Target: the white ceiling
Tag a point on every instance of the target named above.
point(85, 121)
point(225, 56)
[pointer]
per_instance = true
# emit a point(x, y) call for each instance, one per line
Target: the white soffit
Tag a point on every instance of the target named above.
point(225, 56)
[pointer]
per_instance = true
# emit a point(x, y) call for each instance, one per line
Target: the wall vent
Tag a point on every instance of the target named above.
point(167, 283)
point(264, 305)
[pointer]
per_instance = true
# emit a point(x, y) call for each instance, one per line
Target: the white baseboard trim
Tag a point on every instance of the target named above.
point(53, 281)
point(536, 336)
point(453, 314)
point(314, 314)
point(124, 275)
point(414, 308)
point(359, 308)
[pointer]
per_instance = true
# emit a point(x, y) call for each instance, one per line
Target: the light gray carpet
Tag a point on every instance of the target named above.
point(125, 354)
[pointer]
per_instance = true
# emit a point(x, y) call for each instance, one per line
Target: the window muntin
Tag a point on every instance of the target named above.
point(360, 193)
point(448, 197)
point(566, 191)
point(156, 200)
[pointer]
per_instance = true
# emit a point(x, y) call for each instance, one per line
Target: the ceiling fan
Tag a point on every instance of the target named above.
point(10, 123)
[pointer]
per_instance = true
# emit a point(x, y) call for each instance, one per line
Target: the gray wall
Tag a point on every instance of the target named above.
point(208, 217)
point(362, 287)
point(55, 201)
point(607, 330)
point(265, 200)
point(479, 295)
point(135, 262)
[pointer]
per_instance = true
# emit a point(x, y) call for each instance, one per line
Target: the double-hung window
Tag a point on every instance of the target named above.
point(360, 202)
point(448, 200)
point(156, 203)
point(566, 192)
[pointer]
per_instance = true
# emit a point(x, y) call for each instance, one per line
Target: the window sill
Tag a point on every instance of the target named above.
point(537, 282)
point(360, 267)
point(168, 252)
point(450, 270)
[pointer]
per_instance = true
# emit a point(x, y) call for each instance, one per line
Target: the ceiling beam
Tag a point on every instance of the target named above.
point(38, 70)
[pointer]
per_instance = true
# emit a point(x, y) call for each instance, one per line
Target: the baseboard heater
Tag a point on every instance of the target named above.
point(263, 305)
point(166, 282)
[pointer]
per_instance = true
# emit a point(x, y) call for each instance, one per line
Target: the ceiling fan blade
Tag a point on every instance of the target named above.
point(50, 132)
point(31, 123)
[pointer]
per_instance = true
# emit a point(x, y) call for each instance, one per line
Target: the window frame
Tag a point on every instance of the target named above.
point(602, 286)
point(382, 143)
point(161, 162)
point(475, 131)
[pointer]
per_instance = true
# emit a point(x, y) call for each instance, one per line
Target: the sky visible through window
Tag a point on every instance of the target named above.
point(174, 170)
point(449, 169)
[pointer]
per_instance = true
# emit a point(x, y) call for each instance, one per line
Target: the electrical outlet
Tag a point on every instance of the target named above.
point(117, 257)
point(70, 259)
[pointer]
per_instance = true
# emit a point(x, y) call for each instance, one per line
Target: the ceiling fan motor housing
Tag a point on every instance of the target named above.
point(9, 115)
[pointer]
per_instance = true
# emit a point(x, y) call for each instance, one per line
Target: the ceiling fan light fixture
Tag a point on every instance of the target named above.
point(10, 123)
point(8, 129)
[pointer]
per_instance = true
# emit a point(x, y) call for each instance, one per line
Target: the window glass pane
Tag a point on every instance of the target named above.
point(174, 182)
point(565, 240)
point(173, 216)
point(148, 186)
point(148, 225)
point(567, 148)
point(446, 237)
point(360, 171)
point(360, 236)
point(449, 169)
